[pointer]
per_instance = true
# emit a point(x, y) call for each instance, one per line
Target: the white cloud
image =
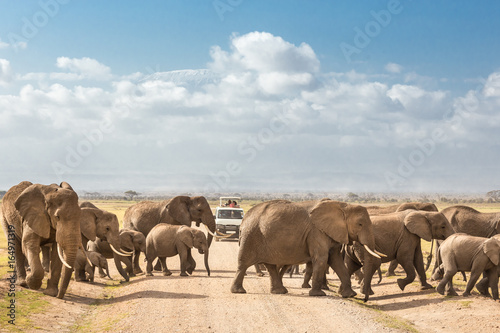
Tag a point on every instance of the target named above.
point(6, 74)
point(264, 101)
point(264, 52)
point(83, 68)
point(393, 68)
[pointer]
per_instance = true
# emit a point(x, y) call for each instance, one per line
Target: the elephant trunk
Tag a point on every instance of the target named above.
point(370, 266)
point(372, 261)
point(68, 240)
point(209, 221)
point(107, 273)
point(205, 257)
point(69, 257)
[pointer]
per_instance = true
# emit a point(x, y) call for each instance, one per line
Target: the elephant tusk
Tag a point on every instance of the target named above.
point(380, 254)
point(118, 252)
point(371, 252)
point(127, 252)
point(61, 257)
point(216, 236)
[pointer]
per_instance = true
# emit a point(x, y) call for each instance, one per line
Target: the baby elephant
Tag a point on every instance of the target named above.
point(166, 240)
point(461, 252)
point(82, 266)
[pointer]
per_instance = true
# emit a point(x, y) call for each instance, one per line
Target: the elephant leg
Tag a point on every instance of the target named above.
point(31, 244)
point(307, 275)
point(493, 281)
point(158, 265)
point(137, 268)
point(258, 270)
point(418, 262)
point(276, 281)
point(90, 271)
point(409, 268)
point(166, 271)
point(336, 262)
point(149, 267)
point(46, 258)
point(128, 266)
point(392, 267)
point(191, 263)
point(475, 273)
point(118, 264)
point(283, 270)
point(483, 284)
point(20, 264)
point(183, 255)
point(447, 279)
point(237, 285)
point(54, 272)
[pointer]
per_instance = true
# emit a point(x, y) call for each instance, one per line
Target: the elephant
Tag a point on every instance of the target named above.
point(282, 233)
point(166, 240)
point(180, 210)
point(135, 242)
point(129, 241)
point(398, 236)
point(463, 252)
point(378, 210)
point(43, 214)
point(95, 222)
point(83, 266)
point(467, 220)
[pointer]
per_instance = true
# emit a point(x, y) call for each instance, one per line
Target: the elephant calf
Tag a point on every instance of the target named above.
point(166, 240)
point(461, 252)
point(82, 266)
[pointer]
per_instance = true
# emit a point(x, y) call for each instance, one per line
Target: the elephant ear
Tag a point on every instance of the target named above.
point(178, 209)
point(329, 217)
point(417, 224)
point(66, 186)
point(186, 236)
point(492, 249)
point(127, 241)
point(88, 221)
point(31, 205)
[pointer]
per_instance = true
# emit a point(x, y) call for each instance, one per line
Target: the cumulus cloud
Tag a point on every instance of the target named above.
point(264, 100)
point(83, 68)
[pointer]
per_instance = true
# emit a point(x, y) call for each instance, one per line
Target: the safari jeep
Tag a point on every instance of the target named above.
point(228, 216)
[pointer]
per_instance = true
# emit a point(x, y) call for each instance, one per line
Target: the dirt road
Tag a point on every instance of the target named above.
point(204, 304)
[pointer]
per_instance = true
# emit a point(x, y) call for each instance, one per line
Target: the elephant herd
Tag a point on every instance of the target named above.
point(351, 239)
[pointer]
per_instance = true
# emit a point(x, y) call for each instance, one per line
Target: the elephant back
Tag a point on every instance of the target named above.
point(467, 220)
point(143, 216)
point(8, 210)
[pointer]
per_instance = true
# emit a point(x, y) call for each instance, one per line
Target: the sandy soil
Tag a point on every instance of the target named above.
point(204, 304)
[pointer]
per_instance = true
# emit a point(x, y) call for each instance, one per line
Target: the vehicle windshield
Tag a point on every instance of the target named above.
point(230, 214)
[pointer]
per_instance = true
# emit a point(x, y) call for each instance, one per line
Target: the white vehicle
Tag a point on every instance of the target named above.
point(228, 216)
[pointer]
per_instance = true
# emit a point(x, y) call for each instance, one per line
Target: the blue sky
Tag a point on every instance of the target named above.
point(214, 96)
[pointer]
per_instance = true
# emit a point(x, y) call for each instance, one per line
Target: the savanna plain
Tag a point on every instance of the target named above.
point(205, 304)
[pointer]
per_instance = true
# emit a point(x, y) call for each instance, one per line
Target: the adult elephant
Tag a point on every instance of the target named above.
point(281, 233)
point(398, 235)
point(180, 210)
point(378, 210)
point(465, 219)
point(95, 222)
point(43, 214)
